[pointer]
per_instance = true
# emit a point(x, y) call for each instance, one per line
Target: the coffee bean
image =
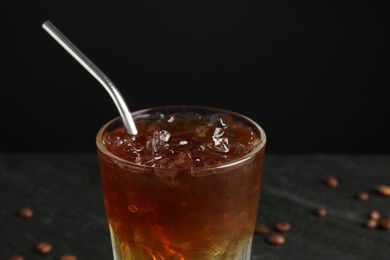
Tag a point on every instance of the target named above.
point(44, 247)
point(68, 257)
point(384, 223)
point(371, 223)
point(362, 196)
point(331, 181)
point(283, 226)
point(276, 239)
point(383, 190)
point(320, 212)
point(16, 257)
point(375, 215)
point(261, 229)
point(26, 212)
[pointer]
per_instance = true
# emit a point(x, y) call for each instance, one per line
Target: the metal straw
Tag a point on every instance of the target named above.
point(96, 73)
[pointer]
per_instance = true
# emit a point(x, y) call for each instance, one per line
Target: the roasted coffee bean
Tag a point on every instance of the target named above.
point(383, 190)
point(320, 212)
point(283, 226)
point(375, 215)
point(363, 196)
point(276, 239)
point(68, 257)
point(261, 229)
point(331, 181)
point(26, 212)
point(44, 247)
point(384, 223)
point(16, 257)
point(371, 223)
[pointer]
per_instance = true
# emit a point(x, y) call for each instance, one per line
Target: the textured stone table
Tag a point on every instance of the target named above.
point(65, 192)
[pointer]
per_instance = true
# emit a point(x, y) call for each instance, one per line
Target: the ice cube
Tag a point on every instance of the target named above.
point(237, 148)
point(183, 160)
point(167, 166)
point(164, 135)
point(132, 145)
point(218, 132)
point(220, 120)
point(132, 156)
point(159, 140)
point(221, 144)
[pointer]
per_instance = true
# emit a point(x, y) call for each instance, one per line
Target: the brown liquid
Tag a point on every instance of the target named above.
point(177, 208)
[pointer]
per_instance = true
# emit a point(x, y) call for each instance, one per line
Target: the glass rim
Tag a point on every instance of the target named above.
point(239, 160)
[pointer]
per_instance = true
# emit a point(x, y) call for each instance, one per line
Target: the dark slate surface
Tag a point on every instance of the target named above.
point(65, 192)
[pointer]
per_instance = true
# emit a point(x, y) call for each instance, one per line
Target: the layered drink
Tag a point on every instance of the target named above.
point(187, 186)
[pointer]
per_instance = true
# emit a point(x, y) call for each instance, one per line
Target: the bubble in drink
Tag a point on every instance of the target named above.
point(186, 187)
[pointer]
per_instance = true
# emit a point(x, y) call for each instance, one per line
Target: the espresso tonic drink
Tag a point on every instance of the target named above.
point(187, 186)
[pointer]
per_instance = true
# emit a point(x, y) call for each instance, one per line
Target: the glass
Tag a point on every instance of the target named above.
point(179, 204)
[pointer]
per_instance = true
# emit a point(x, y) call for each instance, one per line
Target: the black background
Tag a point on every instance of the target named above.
point(314, 74)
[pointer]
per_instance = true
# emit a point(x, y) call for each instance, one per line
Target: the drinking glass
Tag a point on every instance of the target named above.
point(193, 198)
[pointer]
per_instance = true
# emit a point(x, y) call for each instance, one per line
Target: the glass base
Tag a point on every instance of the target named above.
point(124, 251)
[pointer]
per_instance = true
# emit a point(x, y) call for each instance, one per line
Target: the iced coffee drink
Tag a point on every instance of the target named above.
point(187, 186)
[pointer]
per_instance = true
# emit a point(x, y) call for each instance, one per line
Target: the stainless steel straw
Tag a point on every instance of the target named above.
point(96, 73)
